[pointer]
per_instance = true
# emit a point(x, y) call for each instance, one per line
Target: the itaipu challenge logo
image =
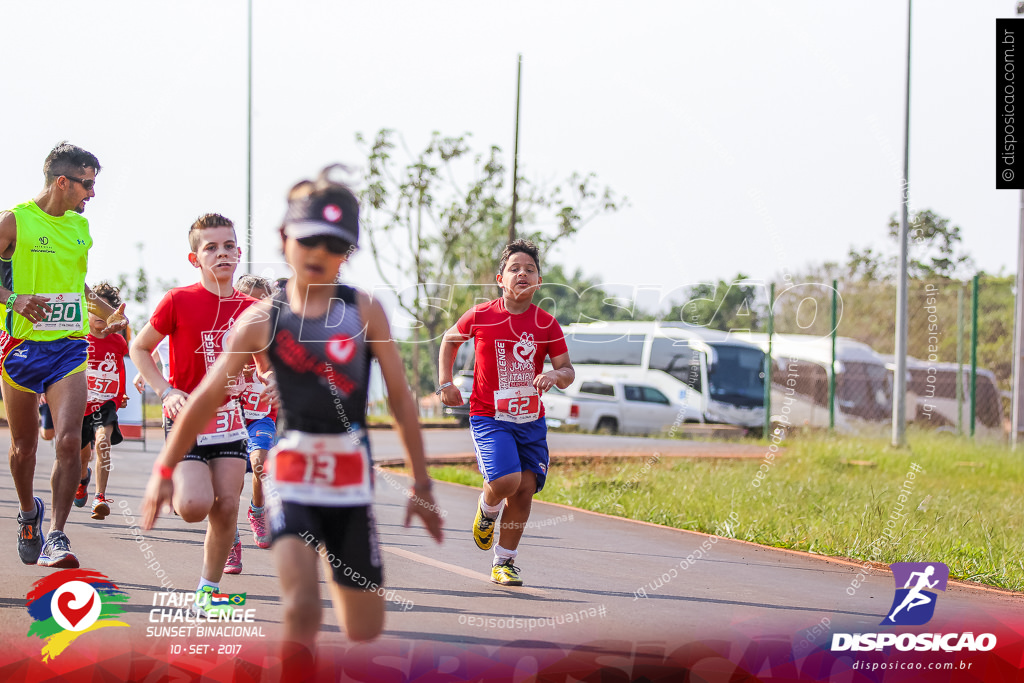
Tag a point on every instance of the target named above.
point(71, 603)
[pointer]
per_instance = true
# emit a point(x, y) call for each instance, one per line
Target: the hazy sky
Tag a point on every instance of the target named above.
point(749, 136)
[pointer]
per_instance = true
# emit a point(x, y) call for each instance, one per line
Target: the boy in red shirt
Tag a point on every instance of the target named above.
point(106, 380)
point(506, 416)
point(195, 318)
point(260, 421)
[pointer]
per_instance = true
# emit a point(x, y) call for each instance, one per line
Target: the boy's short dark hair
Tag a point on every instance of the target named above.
point(109, 293)
point(207, 220)
point(519, 247)
point(68, 159)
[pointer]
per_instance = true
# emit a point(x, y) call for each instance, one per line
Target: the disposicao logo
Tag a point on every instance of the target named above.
point(70, 603)
point(913, 605)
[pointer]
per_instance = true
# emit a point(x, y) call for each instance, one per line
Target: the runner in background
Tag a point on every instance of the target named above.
point(45, 420)
point(319, 337)
point(44, 255)
point(107, 393)
point(506, 418)
point(195, 319)
point(260, 418)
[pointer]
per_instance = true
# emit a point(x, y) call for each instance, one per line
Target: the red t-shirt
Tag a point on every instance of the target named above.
point(510, 351)
point(105, 372)
point(255, 403)
point(195, 320)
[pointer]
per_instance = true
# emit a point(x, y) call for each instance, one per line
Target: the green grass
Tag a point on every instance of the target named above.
point(963, 509)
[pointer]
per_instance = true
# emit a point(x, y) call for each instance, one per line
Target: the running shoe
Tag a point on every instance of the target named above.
point(204, 604)
point(57, 552)
point(82, 492)
point(258, 522)
point(234, 563)
point(483, 529)
point(100, 506)
point(30, 540)
point(506, 573)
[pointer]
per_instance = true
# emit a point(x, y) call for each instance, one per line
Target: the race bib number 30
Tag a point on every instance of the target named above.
point(226, 426)
point(65, 312)
point(518, 404)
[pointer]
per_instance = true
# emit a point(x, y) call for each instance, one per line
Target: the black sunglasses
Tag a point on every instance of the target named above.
point(86, 184)
point(334, 245)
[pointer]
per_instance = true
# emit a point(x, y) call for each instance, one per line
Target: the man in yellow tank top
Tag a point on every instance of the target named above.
point(44, 246)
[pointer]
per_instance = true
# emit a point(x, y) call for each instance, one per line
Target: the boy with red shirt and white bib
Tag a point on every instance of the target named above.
point(106, 378)
point(196, 318)
point(260, 415)
point(506, 417)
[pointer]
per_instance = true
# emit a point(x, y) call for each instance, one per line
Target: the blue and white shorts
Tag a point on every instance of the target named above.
point(506, 447)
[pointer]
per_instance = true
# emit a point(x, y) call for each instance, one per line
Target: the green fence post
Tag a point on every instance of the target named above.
point(832, 367)
point(974, 353)
point(768, 365)
point(960, 360)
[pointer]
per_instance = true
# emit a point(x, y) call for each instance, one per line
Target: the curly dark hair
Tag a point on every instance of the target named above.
point(519, 247)
point(109, 293)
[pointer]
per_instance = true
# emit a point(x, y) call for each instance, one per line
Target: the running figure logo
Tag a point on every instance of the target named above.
point(913, 605)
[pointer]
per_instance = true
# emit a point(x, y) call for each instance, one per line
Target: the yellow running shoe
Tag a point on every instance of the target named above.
point(506, 573)
point(483, 529)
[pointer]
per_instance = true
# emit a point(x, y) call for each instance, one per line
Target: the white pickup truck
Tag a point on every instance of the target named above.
point(615, 406)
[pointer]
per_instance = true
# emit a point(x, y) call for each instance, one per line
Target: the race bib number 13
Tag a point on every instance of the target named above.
point(65, 312)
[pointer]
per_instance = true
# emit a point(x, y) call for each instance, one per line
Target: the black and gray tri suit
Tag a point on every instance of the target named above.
point(322, 367)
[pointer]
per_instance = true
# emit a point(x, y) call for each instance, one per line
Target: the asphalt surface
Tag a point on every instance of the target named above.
point(592, 567)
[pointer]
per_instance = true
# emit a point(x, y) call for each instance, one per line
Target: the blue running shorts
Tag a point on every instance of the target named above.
point(506, 447)
point(262, 433)
point(33, 366)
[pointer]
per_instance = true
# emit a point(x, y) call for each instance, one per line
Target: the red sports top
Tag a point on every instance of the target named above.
point(255, 403)
point(195, 320)
point(510, 350)
point(105, 373)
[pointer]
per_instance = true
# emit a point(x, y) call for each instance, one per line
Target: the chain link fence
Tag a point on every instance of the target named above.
point(941, 389)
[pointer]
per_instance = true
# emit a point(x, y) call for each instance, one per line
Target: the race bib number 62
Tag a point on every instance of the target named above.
point(518, 404)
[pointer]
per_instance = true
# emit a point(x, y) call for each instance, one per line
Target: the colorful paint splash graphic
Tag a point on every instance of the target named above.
point(71, 603)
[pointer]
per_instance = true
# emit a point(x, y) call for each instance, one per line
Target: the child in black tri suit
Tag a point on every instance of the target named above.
point(320, 472)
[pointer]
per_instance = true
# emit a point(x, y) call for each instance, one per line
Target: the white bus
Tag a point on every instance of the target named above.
point(935, 387)
point(801, 366)
point(714, 377)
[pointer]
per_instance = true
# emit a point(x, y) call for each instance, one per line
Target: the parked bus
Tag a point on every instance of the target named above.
point(801, 367)
point(935, 386)
point(714, 377)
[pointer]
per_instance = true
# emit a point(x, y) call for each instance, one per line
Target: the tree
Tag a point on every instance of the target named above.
point(725, 306)
point(577, 298)
point(436, 241)
point(934, 252)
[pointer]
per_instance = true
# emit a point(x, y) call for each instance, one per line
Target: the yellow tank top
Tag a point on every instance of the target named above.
point(51, 257)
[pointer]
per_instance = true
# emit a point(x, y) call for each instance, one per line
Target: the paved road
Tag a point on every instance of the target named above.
point(574, 563)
